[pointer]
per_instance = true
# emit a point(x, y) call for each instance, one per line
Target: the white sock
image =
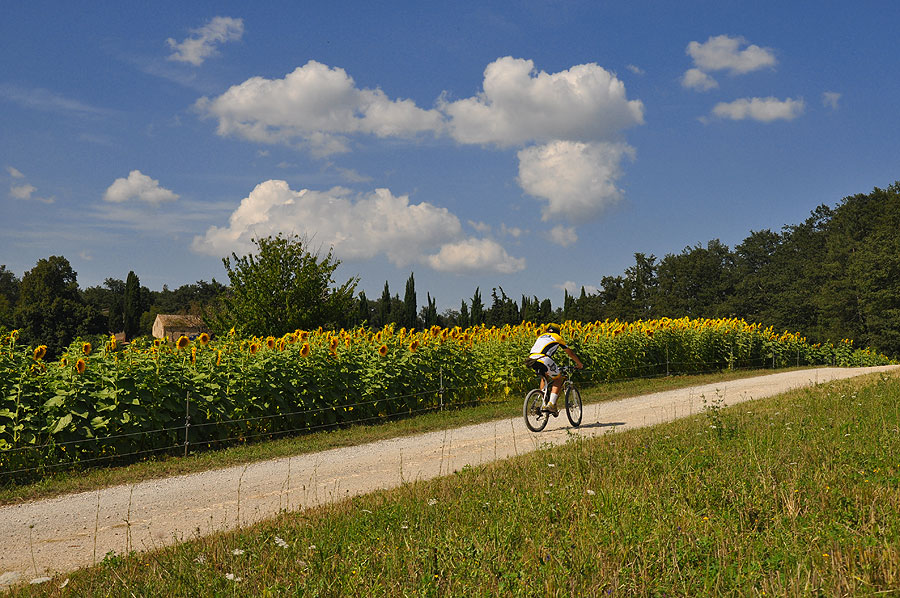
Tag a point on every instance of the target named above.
point(553, 397)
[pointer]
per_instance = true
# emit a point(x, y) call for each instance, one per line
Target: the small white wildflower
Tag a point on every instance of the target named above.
point(281, 542)
point(551, 464)
point(232, 577)
point(432, 502)
point(200, 559)
point(312, 547)
point(404, 526)
point(39, 580)
point(237, 552)
point(591, 493)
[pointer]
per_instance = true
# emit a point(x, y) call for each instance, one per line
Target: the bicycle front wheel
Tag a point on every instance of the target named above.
point(573, 406)
point(535, 417)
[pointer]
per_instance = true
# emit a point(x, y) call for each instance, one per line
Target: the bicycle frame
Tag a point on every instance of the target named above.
point(534, 410)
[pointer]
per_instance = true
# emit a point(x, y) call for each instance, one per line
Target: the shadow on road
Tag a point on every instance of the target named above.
point(603, 425)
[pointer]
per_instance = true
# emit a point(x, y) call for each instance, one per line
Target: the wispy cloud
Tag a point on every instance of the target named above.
point(205, 40)
point(23, 190)
point(830, 99)
point(48, 101)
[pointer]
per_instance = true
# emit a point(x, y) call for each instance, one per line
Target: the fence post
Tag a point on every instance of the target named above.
point(441, 389)
point(187, 421)
point(667, 356)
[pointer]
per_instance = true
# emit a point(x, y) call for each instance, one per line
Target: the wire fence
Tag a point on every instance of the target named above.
point(26, 463)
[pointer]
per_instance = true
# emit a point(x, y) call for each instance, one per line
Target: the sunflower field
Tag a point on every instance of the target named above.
point(108, 404)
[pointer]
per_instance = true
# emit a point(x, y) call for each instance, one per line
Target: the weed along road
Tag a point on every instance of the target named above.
point(60, 534)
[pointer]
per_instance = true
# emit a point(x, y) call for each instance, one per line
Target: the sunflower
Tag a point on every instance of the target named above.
point(413, 346)
point(64, 362)
point(219, 358)
point(204, 338)
point(304, 350)
point(270, 342)
point(253, 348)
point(86, 348)
point(80, 366)
point(382, 350)
point(183, 342)
point(194, 354)
point(333, 344)
point(304, 335)
point(40, 352)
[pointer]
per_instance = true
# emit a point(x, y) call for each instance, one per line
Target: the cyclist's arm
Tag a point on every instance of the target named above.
point(574, 357)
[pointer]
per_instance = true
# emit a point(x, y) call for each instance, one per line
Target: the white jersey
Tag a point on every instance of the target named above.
point(547, 344)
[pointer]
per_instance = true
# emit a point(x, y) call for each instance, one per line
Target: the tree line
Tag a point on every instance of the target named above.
point(834, 276)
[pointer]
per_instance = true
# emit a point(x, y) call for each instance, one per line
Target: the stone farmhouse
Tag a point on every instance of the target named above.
point(172, 327)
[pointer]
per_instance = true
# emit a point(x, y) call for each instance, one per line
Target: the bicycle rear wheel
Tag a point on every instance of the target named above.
point(535, 417)
point(573, 406)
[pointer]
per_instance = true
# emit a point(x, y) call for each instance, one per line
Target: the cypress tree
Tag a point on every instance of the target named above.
point(384, 310)
point(131, 306)
point(410, 309)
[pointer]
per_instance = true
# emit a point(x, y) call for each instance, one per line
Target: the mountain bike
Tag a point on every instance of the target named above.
point(535, 412)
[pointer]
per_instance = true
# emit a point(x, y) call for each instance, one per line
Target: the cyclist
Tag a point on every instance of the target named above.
point(540, 360)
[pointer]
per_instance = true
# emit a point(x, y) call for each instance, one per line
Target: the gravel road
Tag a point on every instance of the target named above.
point(44, 537)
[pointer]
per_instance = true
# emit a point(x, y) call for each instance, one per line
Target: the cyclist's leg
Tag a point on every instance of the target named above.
point(555, 376)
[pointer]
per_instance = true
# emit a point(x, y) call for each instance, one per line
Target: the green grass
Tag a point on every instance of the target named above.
point(66, 482)
point(796, 495)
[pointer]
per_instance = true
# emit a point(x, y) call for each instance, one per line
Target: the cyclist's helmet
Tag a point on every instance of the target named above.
point(553, 328)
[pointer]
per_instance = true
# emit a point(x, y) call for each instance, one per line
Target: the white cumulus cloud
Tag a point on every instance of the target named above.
point(578, 180)
point(577, 114)
point(14, 173)
point(563, 235)
point(357, 226)
point(138, 186)
point(723, 53)
point(317, 105)
point(475, 255)
point(520, 105)
point(760, 109)
point(697, 79)
point(206, 39)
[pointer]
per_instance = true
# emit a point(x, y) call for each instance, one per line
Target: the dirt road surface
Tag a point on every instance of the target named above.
point(44, 537)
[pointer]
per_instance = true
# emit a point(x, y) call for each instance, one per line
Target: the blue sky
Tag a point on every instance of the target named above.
point(530, 145)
